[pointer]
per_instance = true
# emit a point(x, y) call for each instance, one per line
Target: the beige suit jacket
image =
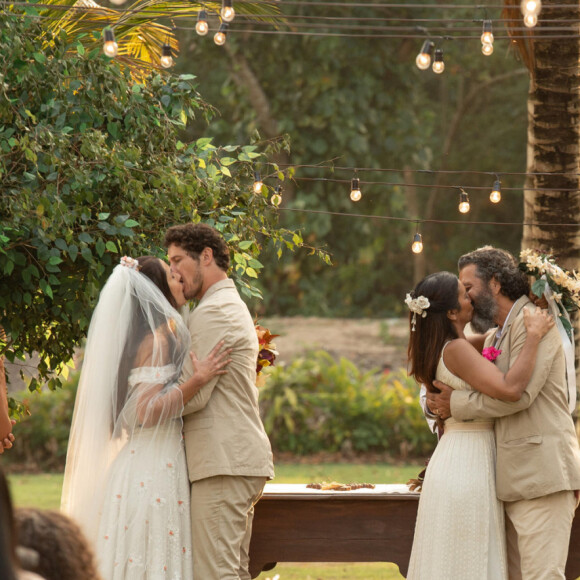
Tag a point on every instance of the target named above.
point(537, 447)
point(222, 429)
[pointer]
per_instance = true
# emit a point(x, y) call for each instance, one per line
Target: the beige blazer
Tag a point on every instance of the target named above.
point(537, 446)
point(222, 429)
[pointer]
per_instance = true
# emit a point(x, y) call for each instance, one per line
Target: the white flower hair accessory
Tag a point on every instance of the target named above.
point(129, 262)
point(418, 306)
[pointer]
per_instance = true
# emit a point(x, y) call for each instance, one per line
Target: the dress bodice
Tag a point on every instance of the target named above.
point(152, 375)
point(444, 375)
point(140, 380)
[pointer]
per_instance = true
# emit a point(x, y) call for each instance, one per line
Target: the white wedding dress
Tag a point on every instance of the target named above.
point(459, 533)
point(145, 528)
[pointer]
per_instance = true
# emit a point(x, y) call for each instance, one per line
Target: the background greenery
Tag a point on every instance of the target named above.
point(361, 102)
point(312, 405)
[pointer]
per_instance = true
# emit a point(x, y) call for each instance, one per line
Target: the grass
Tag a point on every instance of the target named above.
point(44, 490)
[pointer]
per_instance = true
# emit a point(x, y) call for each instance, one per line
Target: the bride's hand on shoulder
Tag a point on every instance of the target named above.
point(537, 322)
point(213, 364)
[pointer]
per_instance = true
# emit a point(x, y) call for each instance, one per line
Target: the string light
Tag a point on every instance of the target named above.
point(201, 26)
point(487, 49)
point(487, 34)
point(487, 38)
point(110, 47)
point(228, 13)
point(355, 192)
point(417, 245)
point(438, 64)
point(531, 9)
point(220, 36)
point(423, 60)
point(495, 195)
point(530, 20)
point(257, 182)
point(166, 56)
point(464, 206)
point(276, 199)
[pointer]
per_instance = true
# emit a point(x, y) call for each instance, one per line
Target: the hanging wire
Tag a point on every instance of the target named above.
point(424, 221)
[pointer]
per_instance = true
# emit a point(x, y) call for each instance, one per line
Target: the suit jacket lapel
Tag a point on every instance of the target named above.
point(517, 307)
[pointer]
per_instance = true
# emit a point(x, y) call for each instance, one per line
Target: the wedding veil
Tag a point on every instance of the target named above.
point(136, 346)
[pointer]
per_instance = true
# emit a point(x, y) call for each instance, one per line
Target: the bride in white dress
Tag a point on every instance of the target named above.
point(126, 477)
point(459, 533)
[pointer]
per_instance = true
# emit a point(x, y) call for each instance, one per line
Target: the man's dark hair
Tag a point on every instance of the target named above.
point(499, 264)
point(194, 238)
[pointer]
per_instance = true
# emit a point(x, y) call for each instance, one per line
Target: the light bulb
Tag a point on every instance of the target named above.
point(464, 206)
point(220, 36)
point(166, 58)
point(276, 199)
point(257, 182)
point(355, 192)
point(487, 34)
point(423, 60)
point(228, 11)
point(417, 245)
point(438, 64)
point(117, 2)
point(201, 26)
point(487, 49)
point(531, 7)
point(495, 195)
point(530, 20)
point(110, 47)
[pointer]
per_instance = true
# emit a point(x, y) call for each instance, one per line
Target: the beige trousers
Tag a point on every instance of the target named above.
point(222, 510)
point(538, 536)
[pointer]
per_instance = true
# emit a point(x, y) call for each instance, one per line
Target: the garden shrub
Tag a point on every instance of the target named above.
point(316, 404)
point(313, 404)
point(42, 434)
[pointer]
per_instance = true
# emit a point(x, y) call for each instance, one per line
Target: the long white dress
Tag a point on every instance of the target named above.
point(460, 533)
point(145, 527)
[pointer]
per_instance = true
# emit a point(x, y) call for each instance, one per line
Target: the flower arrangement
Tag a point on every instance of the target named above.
point(564, 285)
point(268, 353)
point(491, 353)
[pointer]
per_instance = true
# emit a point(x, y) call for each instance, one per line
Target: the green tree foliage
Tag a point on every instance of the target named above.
point(362, 102)
point(93, 166)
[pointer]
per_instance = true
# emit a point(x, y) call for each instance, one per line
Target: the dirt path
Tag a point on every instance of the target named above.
point(368, 343)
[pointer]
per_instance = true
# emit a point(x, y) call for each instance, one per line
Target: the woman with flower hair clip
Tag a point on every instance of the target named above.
point(459, 531)
point(126, 476)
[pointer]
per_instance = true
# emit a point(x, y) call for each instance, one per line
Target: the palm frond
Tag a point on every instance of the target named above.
point(141, 27)
point(524, 43)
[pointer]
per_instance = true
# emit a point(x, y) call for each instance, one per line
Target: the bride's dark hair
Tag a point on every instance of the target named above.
point(151, 267)
point(430, 334)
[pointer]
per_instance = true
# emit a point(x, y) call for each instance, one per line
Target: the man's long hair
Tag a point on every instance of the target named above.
point(499, 264)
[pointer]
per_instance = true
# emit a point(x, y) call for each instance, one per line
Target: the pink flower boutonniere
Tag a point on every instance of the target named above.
point(491, 353)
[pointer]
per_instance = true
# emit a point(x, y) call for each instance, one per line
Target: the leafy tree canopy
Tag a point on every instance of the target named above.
point(362, 102)
point(94, 166)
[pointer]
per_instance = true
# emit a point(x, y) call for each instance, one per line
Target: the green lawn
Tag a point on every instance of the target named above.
point(44, 491)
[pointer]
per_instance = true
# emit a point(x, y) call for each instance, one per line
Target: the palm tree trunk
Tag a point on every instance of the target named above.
point(554, 142)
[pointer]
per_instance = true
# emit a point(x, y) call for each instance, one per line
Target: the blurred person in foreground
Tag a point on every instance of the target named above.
point(10, 567)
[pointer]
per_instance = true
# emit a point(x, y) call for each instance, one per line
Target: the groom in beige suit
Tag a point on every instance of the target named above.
point(538, 458)
point(229, 457)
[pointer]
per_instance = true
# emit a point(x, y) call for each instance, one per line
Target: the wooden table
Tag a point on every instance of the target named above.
point(295, 524)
